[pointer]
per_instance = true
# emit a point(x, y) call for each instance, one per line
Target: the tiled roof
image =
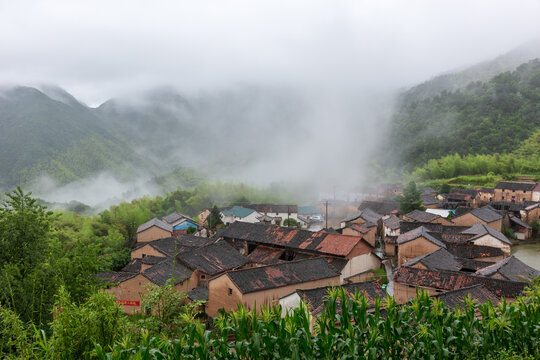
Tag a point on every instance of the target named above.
point(151, 260)
point(518, 222)
point(271, 208)
point(288, 273)
point(472, 265)
point(337, 263)
point(265, 255)
point(487, 214)
point(392, 222)
point(479, 293)
point(511, 268)
point(184, 242)
point(368, 215)
point(428, 190)
point(160, 273)
point(428, 199)
point(154, 222)
point(385, 207)
point(454, 280)
point(360, 228)
point(416, 233)
point(237, 211)
point(458, 197)
point(511, 185)
point(198, 294)
point(479, 230)
point(114, 277)
point(406, 226)
point(421, 216)
point(172, 217)
point(533, 206)
point(134, 266)
point(486, 190)
point(471, 251)
point(440, 259)
point(300, 240)
point(213, 259)
point(316, 297)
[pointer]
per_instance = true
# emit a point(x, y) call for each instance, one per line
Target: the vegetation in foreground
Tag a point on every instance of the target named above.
point(347, 329)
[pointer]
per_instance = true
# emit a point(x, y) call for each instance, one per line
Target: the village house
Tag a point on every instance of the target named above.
point(212, 260)
point(315, 297)
point(512, 191)
point(510, 268)
point(430, 201)
point(277, 213)
point(485, 195)
point(202, 217)
point(485, 215)
point(407, 280)
point(180, 223)
point(152, 230)
point(263, 286)
point(439, 259)
point(353, 253)
point(531, 213)
point(536, 193)
point(466, 242)
point(365, 223)
point(238, 213)
point(168, 247)
point(425, 217)
point(129, 288)
point(415, 243)
point(391, 231)
point(522, 230)
point(484, 235)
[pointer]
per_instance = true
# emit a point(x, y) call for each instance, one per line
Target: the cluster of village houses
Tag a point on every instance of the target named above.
point(454, 249)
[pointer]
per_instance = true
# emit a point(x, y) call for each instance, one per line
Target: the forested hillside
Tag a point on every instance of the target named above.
point(483, 118)
point(43, 136)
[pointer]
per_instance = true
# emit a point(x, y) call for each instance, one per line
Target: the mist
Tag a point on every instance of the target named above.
point(255, 92)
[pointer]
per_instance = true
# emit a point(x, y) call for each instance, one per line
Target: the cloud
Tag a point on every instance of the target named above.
point(101, 48)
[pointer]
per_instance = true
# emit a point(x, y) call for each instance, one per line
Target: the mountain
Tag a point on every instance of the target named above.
point(55, 135)
point(484, 71)
point(480, 118)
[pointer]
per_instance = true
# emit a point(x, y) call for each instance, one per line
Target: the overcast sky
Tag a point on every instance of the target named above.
point(99, 49)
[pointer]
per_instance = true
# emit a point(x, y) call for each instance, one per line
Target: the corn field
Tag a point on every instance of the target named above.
point(350, 329)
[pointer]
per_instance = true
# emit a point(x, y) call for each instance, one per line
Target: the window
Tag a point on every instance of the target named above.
point(203, 277)
point(143, 256)
point(230, 291)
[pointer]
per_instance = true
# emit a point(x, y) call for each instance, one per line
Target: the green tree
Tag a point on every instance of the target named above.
point(290, 222)
point(214, 219)
point(411, 199)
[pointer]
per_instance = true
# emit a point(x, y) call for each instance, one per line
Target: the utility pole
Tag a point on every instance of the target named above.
point(326, 217)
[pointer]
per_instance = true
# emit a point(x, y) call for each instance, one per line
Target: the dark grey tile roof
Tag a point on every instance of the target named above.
point(471, 251)
point(518, 222)
point(288, 273)
point(134, 266)
point(152, 260)
point(367, 214)
point(265, 255)
point(511, 185)
point(385, 207)
point(115, 277)
point(172, 217)
point(213, 259)
point(154, 222)
point(429, 200)
point(456, 298)
point(316, 297)
point(440, 259)
point(184, 243)
point(198, 294)
point(161, 273)
point(472, 265)
point(511, 268)
point(487, 214)
point(393, 222)
point(416, 233)
point(421, 216)
point(454, 280)
point(478, 230)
